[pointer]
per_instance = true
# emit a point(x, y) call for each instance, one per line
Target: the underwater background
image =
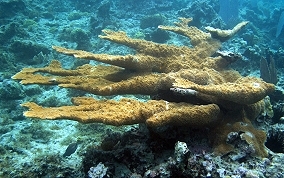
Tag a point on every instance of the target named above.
point(63, 148)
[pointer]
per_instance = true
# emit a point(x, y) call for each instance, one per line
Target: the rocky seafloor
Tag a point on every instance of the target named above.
point(33, 148)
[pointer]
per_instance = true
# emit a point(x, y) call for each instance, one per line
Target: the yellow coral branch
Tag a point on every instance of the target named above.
point(128, 111)
point(224, 35)
point(195, 35)
point(102, 80)
point(246, 90)
point(132, 62)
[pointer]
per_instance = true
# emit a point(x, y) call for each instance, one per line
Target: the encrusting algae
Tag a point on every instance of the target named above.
point(228, 99)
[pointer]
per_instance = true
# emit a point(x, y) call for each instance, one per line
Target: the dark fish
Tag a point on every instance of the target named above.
point(71, 149)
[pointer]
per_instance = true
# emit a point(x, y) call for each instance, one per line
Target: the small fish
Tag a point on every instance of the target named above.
point(71, 149)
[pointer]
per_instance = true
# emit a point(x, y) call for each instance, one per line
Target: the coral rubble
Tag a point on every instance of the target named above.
point(227, 102)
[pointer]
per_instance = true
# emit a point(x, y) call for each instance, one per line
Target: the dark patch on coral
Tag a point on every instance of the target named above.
point(10, 90)
point(26, 50)
point(11, 30)
point(203, 13)
point(104, 9)
point(277, 99)
point(159, 36)
point(142, 150)
point(170, 96)
point(152, 21)
point(275, 140)
point(11, 8)
point(76, 35)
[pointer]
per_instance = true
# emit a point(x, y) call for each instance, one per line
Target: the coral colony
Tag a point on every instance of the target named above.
point(224, 101)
